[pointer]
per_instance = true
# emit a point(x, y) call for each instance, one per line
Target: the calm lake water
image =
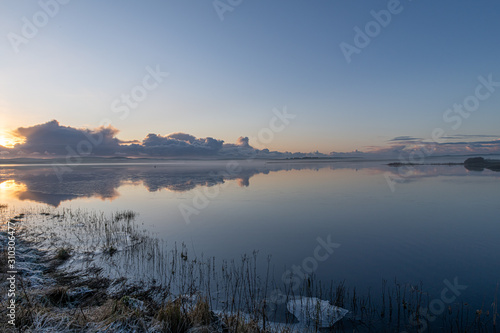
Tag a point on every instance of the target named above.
point(433, 223)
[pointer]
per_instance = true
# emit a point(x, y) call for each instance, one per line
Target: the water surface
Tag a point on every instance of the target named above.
point(433, 223)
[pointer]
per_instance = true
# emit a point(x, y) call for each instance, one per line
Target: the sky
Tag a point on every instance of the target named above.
point(373, 76)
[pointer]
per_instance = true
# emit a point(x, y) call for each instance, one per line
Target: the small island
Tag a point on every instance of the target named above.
point(480, 163)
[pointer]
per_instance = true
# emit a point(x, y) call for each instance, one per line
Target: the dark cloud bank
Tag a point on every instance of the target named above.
point(52, 139)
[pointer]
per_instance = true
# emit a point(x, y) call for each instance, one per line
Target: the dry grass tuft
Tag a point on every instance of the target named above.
point(63, 253)
point(201, 315)
point(125, 215)
point(174, 318)
point(58, 296)
point(238, 324)
point(4, 254)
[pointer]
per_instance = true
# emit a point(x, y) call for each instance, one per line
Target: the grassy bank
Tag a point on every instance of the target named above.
point(50, 297)
point(84, 271)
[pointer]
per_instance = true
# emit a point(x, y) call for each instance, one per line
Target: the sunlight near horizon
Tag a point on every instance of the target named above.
point(8, 140)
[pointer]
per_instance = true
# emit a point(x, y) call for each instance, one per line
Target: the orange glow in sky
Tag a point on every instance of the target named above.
point(8, 140)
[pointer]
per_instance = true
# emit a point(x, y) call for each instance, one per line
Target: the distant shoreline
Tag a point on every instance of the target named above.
point(89, 161)
point(472, 164)
point(399, 164)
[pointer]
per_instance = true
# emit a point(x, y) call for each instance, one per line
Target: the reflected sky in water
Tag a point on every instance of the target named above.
point(440, 222)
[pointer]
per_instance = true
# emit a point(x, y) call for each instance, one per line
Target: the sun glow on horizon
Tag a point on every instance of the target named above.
point(8, 140)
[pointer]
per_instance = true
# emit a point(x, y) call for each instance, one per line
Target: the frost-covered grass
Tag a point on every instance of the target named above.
point(84, 271)
point(71, 281)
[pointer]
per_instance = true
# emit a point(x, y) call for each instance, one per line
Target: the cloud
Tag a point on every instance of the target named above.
point(403, 146)
point(468, 136)
point(176, 144)
point(53, 139)
point(182, 137)
point(387, 151)
point(406, 138)
point(242, 142)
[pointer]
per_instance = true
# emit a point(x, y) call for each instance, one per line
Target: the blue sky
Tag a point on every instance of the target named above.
point(227, 76)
